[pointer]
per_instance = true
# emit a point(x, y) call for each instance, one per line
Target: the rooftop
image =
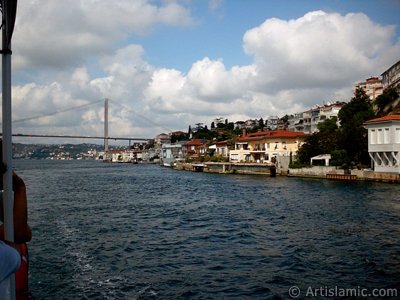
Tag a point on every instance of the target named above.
point(272, 134)
point(385, 119)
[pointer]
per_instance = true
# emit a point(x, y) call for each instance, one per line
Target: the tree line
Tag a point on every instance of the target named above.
point(347, 143)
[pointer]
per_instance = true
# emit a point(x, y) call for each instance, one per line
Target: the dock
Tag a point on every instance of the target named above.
point(343, 177)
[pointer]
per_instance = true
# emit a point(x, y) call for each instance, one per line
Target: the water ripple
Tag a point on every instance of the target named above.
point(106, 231)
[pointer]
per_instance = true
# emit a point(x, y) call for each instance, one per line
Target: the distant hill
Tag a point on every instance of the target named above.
point(61, 151)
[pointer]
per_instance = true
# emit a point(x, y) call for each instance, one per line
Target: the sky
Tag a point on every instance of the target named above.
point(168, 64)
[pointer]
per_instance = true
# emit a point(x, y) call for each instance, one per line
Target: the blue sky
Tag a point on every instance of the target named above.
point(219, 33)
point(169, 64)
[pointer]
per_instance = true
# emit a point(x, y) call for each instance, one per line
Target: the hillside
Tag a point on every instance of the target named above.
point(65, 151)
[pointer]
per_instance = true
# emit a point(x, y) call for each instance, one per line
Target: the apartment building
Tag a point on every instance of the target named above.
point(391, 77)
point(372, 86)
point(308, 121)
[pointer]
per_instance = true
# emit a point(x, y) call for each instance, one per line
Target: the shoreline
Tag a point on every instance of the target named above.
point(316, 172)
point(229, 168)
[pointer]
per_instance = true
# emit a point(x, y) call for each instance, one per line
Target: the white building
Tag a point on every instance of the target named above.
point(391, 77)
point(162, 138)
point(384, 143)
point(220, 149)
point(171, 153)
point(308, 121)
point(123, 155)
point(272, 122)
point(372, 86)
point(330, 110)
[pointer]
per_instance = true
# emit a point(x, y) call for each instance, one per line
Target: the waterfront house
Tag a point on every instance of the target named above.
point(194, 148)
point(220, 149)
point(171, 153)
point(123, 155)
point(384, 143)
point(266, 146)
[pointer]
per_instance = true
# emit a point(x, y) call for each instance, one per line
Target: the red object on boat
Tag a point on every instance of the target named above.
point(21, 276)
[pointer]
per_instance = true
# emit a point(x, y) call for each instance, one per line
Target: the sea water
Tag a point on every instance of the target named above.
point(125, 231)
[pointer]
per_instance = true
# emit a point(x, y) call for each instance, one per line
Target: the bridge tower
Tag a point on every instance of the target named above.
point(106, 125)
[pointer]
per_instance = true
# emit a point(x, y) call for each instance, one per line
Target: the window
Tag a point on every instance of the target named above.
point(386, 136)
point(379, 138)
point(373, 137)
point(397, 139)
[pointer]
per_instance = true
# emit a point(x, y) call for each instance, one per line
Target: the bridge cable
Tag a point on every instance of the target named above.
point(57, 112)
point(141, 116)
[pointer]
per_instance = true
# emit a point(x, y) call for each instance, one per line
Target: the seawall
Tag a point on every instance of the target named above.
point(320, 172)
point(340, 174)
point(229, 168)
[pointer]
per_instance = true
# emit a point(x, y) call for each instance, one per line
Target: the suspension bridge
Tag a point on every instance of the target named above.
point(105, 137)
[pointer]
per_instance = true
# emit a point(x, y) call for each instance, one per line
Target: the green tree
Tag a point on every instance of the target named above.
point(310, 148)
point(176, 137)
point(339, 158)
point(352, 134)
point(261, 123)
point(328, 135)
point(285, 118)
point(388, 96)
point(322, 142)
point(199, 127)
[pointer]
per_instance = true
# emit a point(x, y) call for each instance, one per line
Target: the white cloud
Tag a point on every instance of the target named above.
point(59, 34)
point(296, 64)
point(80, 77)
point(319, 50)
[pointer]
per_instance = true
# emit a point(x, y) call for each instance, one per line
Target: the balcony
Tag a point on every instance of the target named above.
point(258, 150)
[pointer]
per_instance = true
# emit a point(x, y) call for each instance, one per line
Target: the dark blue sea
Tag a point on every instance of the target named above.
point(122, 231)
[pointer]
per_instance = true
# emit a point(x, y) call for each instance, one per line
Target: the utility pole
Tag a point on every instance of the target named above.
point(9, 10)
point(105, 126)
